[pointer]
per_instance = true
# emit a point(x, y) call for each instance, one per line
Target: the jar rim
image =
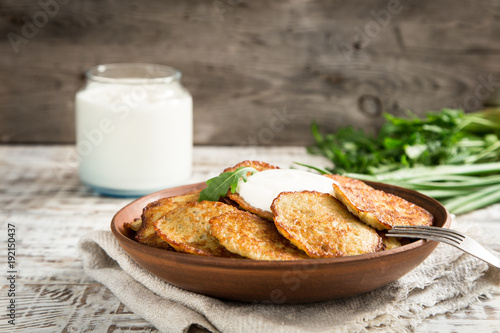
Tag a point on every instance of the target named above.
point(133, 73)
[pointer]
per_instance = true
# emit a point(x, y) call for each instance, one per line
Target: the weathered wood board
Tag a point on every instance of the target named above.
point(260, 71)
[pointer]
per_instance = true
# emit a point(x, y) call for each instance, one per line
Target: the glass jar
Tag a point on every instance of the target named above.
point(134, 129)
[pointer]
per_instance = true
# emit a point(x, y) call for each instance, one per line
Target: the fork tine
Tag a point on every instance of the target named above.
point(426, 233)
point(431, 228)
point(438, 238)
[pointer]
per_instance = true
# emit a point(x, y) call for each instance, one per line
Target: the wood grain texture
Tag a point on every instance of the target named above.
point(52, 212)
point(259, 71)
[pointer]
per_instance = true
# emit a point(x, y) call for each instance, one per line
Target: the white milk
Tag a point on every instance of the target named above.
point(134, 138)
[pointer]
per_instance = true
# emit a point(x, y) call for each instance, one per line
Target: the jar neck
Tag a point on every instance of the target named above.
point(133, 74)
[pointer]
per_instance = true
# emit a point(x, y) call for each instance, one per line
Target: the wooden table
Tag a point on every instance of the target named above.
point(43, 200)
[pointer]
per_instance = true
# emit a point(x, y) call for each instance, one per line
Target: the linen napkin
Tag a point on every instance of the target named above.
point(447, 281)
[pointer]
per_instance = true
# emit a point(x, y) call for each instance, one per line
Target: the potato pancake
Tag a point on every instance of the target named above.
point(379, 209)
point(186, 228)
point(347, 181)
point(321, 226)
point(259, 166)
point(153, 211)
point(389, 242)
point(253, 237)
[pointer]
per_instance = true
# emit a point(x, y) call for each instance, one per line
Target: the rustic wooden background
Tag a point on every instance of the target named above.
point(259, 71)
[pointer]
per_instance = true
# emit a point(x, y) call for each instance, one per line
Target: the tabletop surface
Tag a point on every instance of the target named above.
point(49, 209)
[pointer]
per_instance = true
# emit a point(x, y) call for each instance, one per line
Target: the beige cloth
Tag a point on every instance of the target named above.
point(449, 280)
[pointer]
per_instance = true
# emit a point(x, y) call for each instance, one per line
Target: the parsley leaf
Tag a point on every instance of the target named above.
point(218, 186)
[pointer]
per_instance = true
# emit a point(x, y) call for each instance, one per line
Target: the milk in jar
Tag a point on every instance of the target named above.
point(134, 130)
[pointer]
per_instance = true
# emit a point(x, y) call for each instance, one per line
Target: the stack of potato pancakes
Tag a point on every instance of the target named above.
point(300, 225)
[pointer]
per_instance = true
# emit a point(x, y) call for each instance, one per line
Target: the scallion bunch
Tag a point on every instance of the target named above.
point(449, 155)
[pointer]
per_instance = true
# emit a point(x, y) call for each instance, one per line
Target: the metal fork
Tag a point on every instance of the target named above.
point(448, 236)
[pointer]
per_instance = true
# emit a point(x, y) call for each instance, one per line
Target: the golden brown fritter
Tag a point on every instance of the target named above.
point(347, 181)
point(379, 209)
point(153, 211)
point(186, 228)
point(321, 226)
point(259, 166)
point(253, 237)
point(133, 226)
point(389, 242)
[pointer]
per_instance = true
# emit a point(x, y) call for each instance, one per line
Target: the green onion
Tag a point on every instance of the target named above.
point(475, 200)
point(448, 155)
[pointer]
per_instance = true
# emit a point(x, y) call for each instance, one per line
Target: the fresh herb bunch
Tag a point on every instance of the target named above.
point(449, 155)
point(445, 137)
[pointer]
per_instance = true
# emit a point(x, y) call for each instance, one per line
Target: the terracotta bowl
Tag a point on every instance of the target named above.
point(301, 281)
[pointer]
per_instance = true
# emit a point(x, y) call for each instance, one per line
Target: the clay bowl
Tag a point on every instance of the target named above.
point(301, 281)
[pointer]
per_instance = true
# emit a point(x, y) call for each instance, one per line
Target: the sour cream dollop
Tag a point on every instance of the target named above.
point(263, 187)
